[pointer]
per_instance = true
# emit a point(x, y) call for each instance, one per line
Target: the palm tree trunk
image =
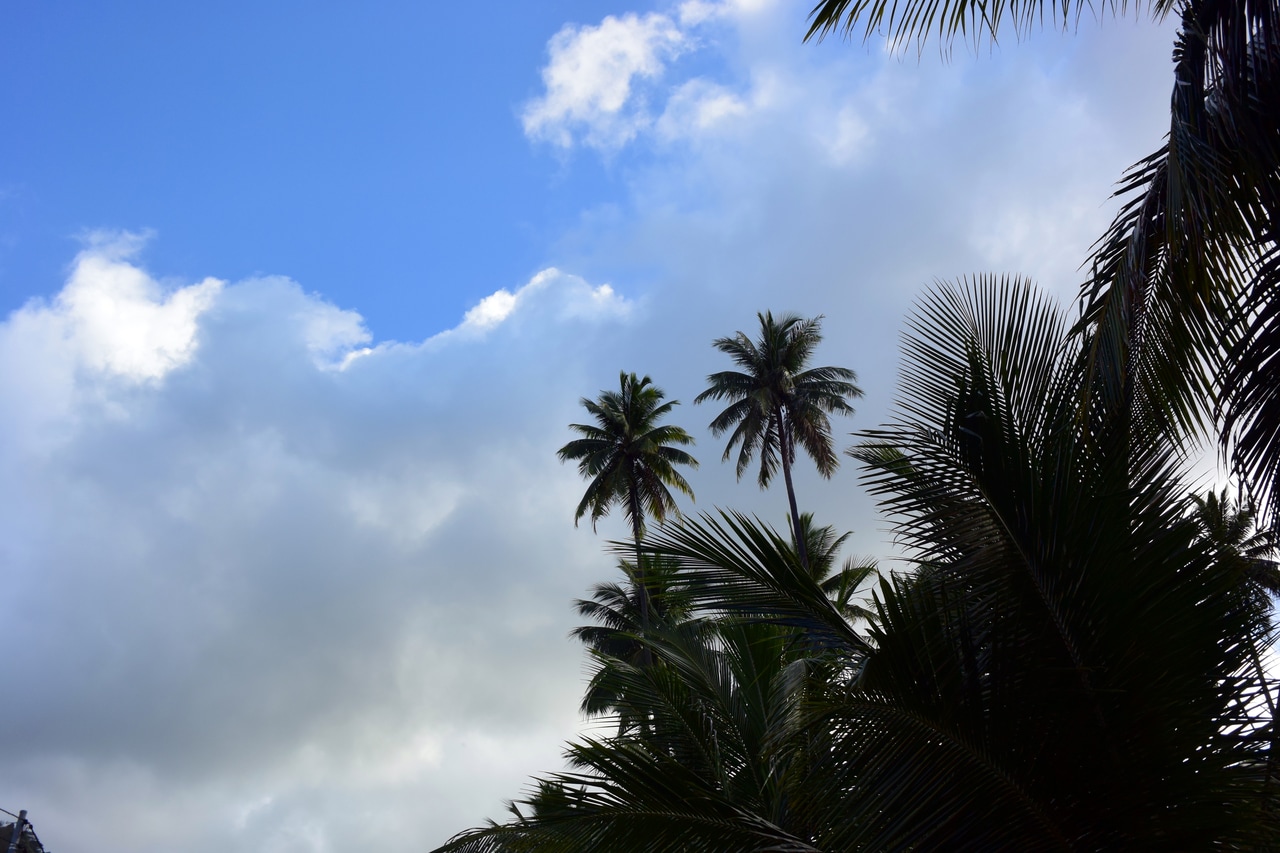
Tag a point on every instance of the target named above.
point(784, 447)
point(642, 590)
point(642, 586)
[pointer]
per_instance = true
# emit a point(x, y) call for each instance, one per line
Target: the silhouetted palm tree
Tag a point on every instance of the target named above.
point(712, 753)
point(777, 402)
point(629, 458)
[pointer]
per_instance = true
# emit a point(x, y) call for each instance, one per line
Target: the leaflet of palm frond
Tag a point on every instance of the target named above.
point(1150, 325)
point(1250, 399)
point(631, 801)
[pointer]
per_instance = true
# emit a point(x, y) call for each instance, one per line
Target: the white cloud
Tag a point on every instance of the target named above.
point(406, 505)
point(332, 334)
point(607, 85)
point(694, 12)
point(112, 318)
point(847, 139)
point(591, 80)
point(549, 292)
point(122, 322)
point(490, 311)
point(111, 328)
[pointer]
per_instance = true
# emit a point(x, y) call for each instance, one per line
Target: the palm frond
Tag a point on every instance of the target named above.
point(976, 21)
point(1065, 632)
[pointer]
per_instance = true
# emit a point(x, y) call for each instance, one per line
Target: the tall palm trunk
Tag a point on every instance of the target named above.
point(784, 447)
point(642, 585)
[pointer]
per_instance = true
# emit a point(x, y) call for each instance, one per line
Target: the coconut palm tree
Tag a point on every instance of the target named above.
point(618, 631)
point(841, 584)
point(629, 458)
point(616, 634)
point(711, 775)
point(1190, 268)
point(776, 402)
point(1231, 531)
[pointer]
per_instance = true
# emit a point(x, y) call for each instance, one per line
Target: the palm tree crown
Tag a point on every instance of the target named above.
point(776, 403)
point(628, 456)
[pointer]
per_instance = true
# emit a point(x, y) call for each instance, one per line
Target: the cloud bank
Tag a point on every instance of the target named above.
point(254, 591)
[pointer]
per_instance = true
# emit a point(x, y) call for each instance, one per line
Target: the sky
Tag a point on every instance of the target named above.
point(298, 300)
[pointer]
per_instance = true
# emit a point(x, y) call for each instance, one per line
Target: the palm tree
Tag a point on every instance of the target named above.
point(1230, 530)
point(1184, 290)
point(776, 403)
point(1070, 666)
point(823, 545)
point(620, 633)
point(720, 762)
point(630, 458)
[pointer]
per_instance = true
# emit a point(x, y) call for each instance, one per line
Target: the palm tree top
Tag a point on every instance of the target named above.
point(628, 455)
point(773, 379)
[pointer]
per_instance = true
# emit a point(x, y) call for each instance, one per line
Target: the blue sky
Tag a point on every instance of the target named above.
point(343, 146)
point(298, 300)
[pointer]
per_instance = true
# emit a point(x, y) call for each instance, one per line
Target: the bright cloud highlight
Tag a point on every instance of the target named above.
point(116, 319)
point(551, 292)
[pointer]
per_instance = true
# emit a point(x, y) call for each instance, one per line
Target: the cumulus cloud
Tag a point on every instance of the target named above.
point(121, 324)
point(112, 319)
point(258, 592)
